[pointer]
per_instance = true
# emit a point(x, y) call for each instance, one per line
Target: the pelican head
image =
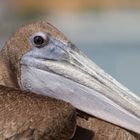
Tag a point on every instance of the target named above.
point(47, 63)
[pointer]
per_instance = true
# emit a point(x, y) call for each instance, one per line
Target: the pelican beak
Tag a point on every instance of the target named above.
point(78, 80)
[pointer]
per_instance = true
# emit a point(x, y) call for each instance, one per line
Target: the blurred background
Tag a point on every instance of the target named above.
point(108, 31)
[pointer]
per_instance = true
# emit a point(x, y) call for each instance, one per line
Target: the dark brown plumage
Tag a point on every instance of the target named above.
point(26, 116)
point(96, 129)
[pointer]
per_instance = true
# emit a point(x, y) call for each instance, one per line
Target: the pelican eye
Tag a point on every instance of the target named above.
point(39, 40)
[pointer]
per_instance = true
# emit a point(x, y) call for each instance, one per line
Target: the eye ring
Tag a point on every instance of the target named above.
point(39, 39)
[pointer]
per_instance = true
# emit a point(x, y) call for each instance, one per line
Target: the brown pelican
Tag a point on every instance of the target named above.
point(38, 58)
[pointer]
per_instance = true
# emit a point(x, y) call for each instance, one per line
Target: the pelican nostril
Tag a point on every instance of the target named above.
point(73, 47)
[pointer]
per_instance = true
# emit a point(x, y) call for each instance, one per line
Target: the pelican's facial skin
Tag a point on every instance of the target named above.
point(51, 65)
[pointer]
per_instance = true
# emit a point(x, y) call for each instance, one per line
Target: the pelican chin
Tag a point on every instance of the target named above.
point(55, 67)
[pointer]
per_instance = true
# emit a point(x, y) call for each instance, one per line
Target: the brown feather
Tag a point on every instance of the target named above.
point(91, 128)
point(29, 116)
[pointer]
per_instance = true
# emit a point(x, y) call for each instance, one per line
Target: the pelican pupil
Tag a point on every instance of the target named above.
point(38, 40)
